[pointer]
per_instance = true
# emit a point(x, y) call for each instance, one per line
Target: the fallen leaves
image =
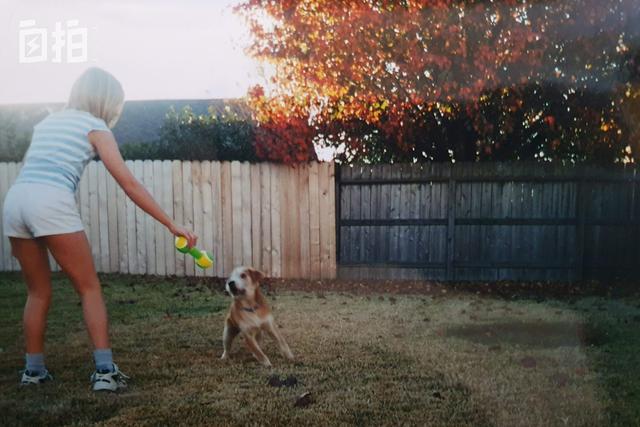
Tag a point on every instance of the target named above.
point(528, 362)
point(304, 400)
point(275, 381)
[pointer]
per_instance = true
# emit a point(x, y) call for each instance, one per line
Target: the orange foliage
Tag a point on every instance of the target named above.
point(386, 63)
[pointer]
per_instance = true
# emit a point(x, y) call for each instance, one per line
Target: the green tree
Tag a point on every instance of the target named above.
point(188, 136)
point(13, 144)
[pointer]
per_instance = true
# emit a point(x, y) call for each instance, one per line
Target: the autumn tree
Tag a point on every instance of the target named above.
point(422, 80)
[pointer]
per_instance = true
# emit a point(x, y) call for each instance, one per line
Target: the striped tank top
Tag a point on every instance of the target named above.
point(60, 149)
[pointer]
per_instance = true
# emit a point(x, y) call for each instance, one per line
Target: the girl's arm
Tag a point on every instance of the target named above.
point(107, 148)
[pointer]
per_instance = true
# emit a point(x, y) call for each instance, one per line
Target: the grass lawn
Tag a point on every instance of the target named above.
point(444, 358)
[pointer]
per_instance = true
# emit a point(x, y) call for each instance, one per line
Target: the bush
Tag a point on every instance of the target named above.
point(187, 136)
point(13, 141)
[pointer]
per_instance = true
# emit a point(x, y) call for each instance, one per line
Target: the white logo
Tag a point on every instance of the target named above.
point(68, 43)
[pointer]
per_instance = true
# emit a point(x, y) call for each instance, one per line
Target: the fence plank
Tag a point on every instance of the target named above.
point(187, 211)
point(386, 211)
point(159, 229)
point(451, 224)
point(256, 232)
point(236, 218)
point(325, 220)
point(582, 203)
point(102, 261)
point(395, 211)
point(355, 206)
point(167, 205)
point(345, 209)
point(132, 235)
point(227, 218)
point(141, 241)
point(546, 209)
point(290, 223)
point(378, 211)
point(245, 213)
point(404, 211)
point(216, 198)
point(488, 230)
point(123, 248)
point(265, 218)
point(366, 212)
point(331, 204)
point(506, 207)
point(422, 241)
point(198, 220)
point(112, 207)
point(276, 266)
point(285, 220)
point(207, 238)
point(294, 211)
point(304, 262)
point(149, 226)
point(178, 210)
point(314, 222)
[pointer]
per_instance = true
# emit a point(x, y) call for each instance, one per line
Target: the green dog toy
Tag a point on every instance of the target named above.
point(203, 260)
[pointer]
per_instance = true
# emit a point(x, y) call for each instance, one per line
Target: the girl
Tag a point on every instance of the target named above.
point(40, 213)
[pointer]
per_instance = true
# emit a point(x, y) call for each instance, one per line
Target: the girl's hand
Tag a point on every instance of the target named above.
point(179, 230)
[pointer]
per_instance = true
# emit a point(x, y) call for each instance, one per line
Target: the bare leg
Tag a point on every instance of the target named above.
point(34, 262)
point(254, 348)
point(228, 335)
point(282, 344)
point(73, 253)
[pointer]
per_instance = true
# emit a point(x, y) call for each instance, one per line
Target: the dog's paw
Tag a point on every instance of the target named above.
point(224, 356)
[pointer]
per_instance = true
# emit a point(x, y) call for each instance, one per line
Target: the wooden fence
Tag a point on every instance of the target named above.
point(488, 221)
point(472, 221)
point(277, 218)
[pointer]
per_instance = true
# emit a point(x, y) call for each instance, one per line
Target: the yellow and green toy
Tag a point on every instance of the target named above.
point(203, 260)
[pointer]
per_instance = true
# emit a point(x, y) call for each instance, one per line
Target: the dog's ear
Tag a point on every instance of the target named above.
point(255, 275)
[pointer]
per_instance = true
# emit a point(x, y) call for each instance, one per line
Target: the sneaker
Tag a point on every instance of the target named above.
point(104, 380)
point(35, 377)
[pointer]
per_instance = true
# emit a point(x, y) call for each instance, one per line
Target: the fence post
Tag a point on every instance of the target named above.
point(451, 215)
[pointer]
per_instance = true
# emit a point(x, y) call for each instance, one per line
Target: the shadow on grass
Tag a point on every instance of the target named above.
point(612, 338)
point(608, 332)
point(53, 406)
point(538, 334)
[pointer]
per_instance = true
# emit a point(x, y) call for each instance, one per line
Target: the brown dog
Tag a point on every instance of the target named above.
point(249, 315)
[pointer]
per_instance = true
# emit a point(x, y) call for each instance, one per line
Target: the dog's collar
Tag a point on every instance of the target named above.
point(250, 309)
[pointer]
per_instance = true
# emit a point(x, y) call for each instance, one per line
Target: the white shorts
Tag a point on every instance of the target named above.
point(33, 210)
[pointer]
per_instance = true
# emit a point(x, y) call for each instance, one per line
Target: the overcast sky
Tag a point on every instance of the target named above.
point(158, 49)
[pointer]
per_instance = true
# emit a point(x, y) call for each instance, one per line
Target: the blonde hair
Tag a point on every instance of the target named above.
point(99, 93)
